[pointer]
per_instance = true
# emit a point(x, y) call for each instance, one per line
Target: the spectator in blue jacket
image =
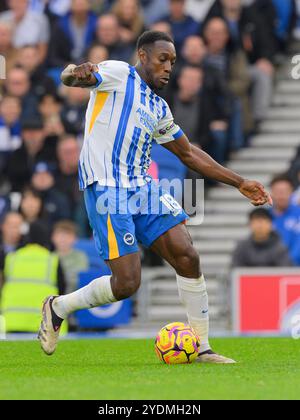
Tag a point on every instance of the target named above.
point(286, 19)
point(286, 216)
point(73, 34)
point(182, 24)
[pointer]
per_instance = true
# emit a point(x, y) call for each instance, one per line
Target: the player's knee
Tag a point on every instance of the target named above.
point(126, 286)
point(188, 264)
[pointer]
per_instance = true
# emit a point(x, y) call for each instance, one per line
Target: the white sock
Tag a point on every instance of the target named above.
point(194, 297)
point(96, 293)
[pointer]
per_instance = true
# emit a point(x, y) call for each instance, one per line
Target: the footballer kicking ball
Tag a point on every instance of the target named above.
point(177, 343)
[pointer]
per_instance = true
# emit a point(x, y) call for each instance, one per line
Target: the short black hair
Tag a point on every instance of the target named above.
point(150, 37)
point(261, 213)
point(282, 178)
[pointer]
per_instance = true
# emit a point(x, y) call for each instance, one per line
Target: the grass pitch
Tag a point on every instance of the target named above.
point(124, 369)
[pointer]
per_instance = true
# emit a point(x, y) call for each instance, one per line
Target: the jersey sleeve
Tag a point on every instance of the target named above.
point(110, 75)
point(167, 130)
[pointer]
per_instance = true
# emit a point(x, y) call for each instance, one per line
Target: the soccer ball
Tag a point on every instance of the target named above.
point(177, 343)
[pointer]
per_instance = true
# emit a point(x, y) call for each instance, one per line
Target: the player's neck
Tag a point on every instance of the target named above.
point(143, 74)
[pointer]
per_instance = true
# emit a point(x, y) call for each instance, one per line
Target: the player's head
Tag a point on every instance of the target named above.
point(157, 55)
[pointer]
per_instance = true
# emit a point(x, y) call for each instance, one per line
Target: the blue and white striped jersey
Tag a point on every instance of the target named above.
point(123, 117)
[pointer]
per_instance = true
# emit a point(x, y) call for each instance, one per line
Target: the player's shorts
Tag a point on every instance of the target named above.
point(121, 218)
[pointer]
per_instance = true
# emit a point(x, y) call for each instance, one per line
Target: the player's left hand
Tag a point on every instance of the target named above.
point(256, 193)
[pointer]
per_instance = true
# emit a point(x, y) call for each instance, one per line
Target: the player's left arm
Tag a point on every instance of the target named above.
point(199, 161)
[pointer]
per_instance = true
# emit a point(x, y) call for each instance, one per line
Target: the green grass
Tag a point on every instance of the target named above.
point(128, 369)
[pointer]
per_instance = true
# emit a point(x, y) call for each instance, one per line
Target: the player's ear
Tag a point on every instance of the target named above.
point(142, 54)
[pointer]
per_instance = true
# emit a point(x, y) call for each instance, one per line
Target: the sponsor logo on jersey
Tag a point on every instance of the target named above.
point(167, 129)
point(146, 120)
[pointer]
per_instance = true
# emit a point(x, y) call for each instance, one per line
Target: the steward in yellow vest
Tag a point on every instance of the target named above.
point(30, 274)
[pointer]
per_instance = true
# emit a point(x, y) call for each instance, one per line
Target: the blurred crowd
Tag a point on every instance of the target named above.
point(219, 93)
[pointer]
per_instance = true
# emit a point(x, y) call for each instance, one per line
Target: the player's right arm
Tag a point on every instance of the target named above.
point(80, 76)
point(199, 161)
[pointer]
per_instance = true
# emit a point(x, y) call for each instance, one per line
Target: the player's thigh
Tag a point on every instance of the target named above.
point(176, 247)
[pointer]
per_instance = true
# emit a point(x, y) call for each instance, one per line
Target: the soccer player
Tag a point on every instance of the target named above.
point(124, 115)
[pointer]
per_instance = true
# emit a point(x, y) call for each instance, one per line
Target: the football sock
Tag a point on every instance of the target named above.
point(96, 293)
point(56, 320)
point(193, 294)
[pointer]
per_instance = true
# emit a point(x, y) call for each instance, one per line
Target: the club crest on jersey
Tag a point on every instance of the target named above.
point(128, 239)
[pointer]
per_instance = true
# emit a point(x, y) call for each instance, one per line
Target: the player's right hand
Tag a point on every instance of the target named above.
point(255, 192)
point(84, 72)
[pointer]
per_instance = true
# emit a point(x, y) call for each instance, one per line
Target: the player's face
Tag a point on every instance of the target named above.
point(158, 63)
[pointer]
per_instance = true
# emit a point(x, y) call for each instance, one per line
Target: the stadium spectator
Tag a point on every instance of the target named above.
point(97, 54)
point(73, 261)
point(55, 202)
point(194, 50)
point(198, 9)
point(232, 64)
point(25, 283)
point(182, 24)
point(32, 207)
point(74, 109)
point(33, 212)
point(30, 28)
point(11, 232)
point(249, 31)
point(50, 110)
point(4, 206)
point(296, 32)
point(162, 26)
point(154, 10)
point(186, 102)
point(192, 53)
point(76, 29)
point(10, 128)
point(18, 84)
point(130, 20)
point(54, 7)
point(29, 59)
point(34, 149)
point(66, 179)
point(264, 247)
point(109, 35)
point(284, 18)
point(6, 48)
point(197, 112)
point(286, 216)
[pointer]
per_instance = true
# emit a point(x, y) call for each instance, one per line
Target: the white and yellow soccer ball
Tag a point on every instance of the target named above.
point(177, 343)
